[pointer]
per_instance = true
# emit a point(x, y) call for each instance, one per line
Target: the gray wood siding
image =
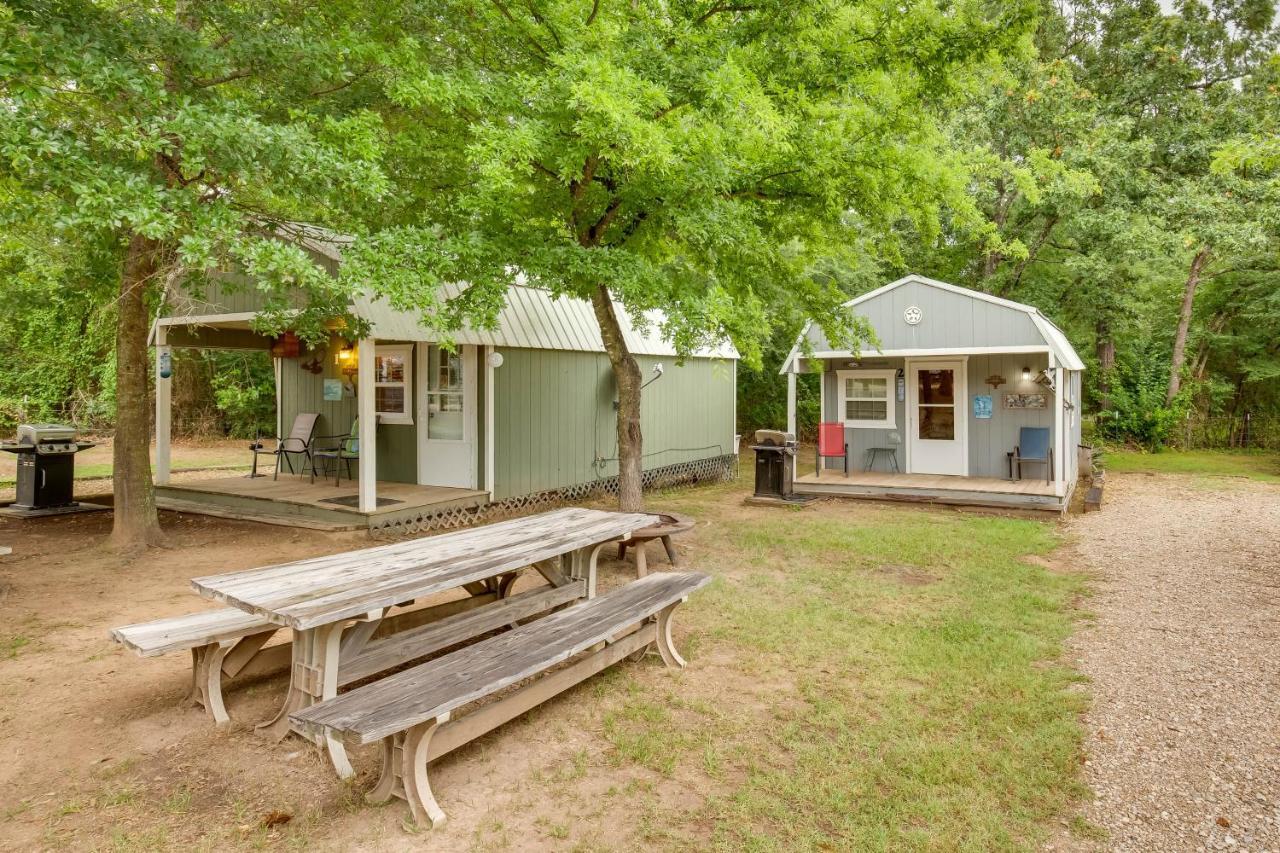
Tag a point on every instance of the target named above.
point(862, 438)
point(555, 426)
point(989, 439)
point(951, 320)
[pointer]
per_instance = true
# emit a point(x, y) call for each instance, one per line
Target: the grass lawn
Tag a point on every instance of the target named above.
point(95, 463)
point(1254, 464)
point(898, 683)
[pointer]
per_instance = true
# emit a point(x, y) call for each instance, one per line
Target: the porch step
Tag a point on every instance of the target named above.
point(201, 508)
point(950, 497)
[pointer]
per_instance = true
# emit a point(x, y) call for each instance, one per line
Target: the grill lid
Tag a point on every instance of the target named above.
point(41, 433)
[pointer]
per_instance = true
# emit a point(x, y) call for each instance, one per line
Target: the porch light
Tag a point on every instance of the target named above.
point(1026, 374)
point(346, 359)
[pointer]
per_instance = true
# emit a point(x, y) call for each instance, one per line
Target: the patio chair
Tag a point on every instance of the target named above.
point(340, 449)
point(1033, 446)
point(831, 443)
point(297, 443)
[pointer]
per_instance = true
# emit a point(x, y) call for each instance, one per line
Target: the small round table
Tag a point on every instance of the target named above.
point(874, 452)
point(672, 524)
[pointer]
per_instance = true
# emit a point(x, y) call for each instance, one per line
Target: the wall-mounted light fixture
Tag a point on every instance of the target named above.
point(1026, 373)
point(494, 359)
point(347, 359)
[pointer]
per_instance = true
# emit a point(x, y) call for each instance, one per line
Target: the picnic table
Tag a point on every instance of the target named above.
point(324, 597)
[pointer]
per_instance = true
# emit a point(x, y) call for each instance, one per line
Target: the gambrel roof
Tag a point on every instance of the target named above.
point(949, 320)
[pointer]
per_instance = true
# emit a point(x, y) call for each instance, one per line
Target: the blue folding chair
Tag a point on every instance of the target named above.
point(1033, 446)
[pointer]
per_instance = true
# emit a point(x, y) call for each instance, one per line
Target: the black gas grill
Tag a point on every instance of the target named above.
point(46, 466)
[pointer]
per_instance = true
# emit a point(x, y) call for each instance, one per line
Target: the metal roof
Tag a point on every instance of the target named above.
point(532, 318)
point(1055, 341)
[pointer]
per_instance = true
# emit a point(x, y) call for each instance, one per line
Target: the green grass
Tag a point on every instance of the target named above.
point(872, 710)
point(1256, 465)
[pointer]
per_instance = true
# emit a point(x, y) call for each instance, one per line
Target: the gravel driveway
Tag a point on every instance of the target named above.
point(1183, 737)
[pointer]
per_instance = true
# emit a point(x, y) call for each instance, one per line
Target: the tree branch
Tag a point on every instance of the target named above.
point(717, 9)
point(238, 74)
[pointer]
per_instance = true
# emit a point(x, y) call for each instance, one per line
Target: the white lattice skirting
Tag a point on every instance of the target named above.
point(712, 470)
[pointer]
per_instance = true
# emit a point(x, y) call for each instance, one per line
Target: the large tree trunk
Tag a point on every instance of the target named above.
point(1184, 323)
point(626, 372)
point(136, 523)
point(1105, 349)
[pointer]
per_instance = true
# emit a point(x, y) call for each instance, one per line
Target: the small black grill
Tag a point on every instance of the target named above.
point(46, 466)
point(775, 463)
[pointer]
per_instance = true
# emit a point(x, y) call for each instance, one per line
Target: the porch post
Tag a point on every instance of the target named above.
point(368, 436)
point(486, 359)
point(1059, 428)
point(791, 400)
point(164, 406)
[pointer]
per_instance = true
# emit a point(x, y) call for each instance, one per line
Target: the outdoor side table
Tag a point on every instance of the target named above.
point(873, 453)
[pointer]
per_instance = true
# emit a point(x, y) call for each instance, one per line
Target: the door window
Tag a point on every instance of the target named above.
point(444, 395)
point(936, 404)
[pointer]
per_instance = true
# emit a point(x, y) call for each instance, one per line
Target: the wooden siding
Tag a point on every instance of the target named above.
point(950, 320)
point(301, 391)
point(989, 439)
point(555, 425)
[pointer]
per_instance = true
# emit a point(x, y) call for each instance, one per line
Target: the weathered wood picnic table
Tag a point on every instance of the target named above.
point(323, 597)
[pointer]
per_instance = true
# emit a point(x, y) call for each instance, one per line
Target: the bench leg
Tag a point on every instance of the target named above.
point(404, 773)
point(666, 647)
point(206, 679)
point(642, 561)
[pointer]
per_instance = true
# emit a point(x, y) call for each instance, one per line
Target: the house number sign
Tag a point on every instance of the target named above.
point(913, 315)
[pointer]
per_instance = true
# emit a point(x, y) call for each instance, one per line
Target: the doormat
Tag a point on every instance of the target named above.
point(353, 501)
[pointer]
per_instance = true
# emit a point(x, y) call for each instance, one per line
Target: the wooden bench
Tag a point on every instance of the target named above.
point(224, 643)
point(411, 711)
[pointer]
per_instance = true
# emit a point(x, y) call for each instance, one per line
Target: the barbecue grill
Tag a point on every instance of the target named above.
point(46, 468)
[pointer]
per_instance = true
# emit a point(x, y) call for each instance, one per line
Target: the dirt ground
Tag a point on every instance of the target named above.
point(101, 751)
point(1183, 655)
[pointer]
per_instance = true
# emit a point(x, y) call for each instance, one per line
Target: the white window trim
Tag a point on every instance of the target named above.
point(406, 354)
point(891, 395)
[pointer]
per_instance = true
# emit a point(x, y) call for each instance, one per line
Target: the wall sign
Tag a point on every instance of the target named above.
point(1025, 401)
point(332, 390)
point(982, 406)
point(913, 315)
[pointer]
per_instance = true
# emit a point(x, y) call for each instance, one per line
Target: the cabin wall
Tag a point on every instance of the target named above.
point(990, 439)
point(303, 391)
point(950, 321)
point(555, 425)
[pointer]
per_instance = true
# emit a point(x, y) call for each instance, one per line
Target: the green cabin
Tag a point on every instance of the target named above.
point(506, 418)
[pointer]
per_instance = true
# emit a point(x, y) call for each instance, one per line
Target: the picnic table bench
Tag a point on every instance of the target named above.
point(336, 603)
point(411, 712)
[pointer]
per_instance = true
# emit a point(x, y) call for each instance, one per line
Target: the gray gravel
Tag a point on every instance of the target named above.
point(1183, 736)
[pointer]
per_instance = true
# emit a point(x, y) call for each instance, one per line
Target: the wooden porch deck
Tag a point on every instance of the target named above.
point(294, 501)
point(1031, 494)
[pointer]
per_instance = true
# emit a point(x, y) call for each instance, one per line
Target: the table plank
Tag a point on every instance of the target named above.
point(323, 590)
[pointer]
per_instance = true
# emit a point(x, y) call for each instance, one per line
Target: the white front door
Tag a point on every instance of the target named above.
point(937, 434)
point(447, 416)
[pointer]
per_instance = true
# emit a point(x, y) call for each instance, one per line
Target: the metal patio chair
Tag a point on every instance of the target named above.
point(339, 449)
point(297, 443)
point(1033, 446)
point(831, 443)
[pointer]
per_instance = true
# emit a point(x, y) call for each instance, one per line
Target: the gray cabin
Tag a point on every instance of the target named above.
point(967, 399)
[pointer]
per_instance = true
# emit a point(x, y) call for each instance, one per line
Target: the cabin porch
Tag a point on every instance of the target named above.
point(1030, 494)
point(293, 500)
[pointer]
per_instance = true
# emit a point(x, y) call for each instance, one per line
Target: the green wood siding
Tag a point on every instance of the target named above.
point(555, 426)
point(302, 391)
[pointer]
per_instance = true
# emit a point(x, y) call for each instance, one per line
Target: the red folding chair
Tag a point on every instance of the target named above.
point(831, 443)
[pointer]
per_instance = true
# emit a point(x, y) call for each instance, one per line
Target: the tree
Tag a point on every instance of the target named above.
point(178, 137)
point(695, 157)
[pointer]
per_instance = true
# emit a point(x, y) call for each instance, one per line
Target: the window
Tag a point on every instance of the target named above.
point(444, 395)
point(392, 379)
point(866, 398)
